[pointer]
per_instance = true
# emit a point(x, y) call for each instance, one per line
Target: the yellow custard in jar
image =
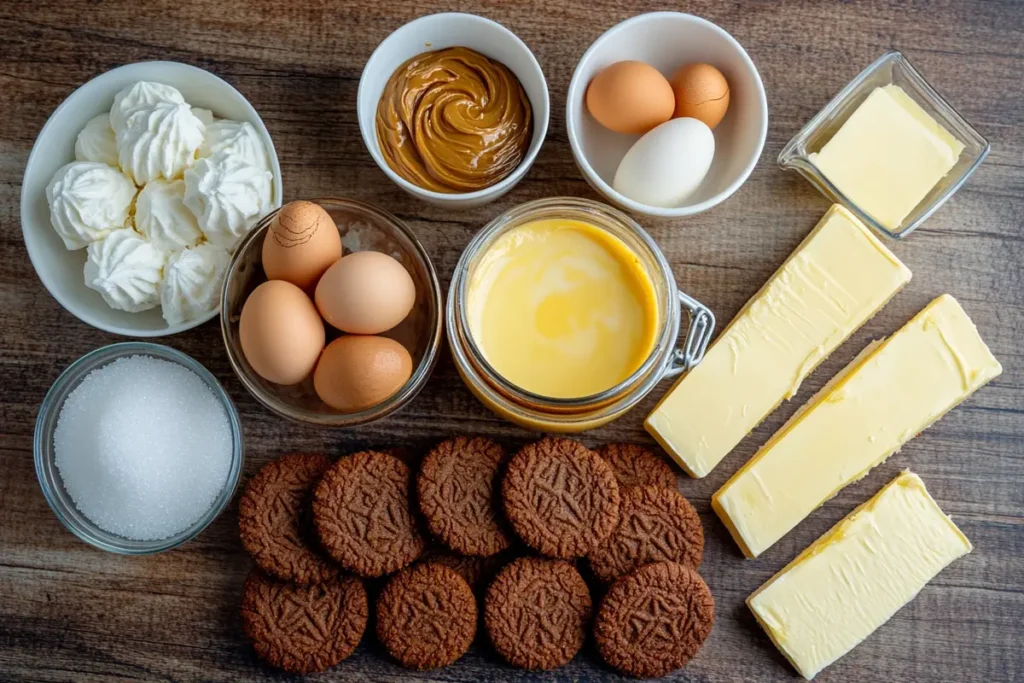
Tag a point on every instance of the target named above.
point(562, 308)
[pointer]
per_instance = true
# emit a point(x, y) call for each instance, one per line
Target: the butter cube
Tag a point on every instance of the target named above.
point(854, 578)
point(838, 277)
point(890, 393)
point(888, 155)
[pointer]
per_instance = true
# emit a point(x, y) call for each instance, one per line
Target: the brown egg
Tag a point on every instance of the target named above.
point(302, 242)
point(630, 97)
point(365, 293)
point(357, 372)
point(701, 92)
point(281, 332)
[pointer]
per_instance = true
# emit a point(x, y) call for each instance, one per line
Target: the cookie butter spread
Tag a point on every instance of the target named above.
point(562, 308)
point(453, 121)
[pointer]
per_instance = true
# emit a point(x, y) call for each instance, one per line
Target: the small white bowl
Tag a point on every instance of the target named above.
point(667, 41)
point(61, 270)
point(436, 32)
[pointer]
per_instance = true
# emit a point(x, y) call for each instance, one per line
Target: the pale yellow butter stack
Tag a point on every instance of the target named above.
point(891, 392)
point(888, 155)
point(854, 578)
point(835, 281)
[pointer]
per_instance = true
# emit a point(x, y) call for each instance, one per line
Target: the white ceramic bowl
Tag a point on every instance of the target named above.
point(436, 32)
point(60, 269)
point(666, 41)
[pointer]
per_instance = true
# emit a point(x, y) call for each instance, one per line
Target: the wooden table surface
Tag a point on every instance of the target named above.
point(69, 612)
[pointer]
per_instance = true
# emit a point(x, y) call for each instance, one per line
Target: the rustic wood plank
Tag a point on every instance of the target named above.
point(68, 612)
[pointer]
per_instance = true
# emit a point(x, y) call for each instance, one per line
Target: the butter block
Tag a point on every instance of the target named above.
point(891, 392)
point(838, 277)
point(888, 155)
point(850, 581)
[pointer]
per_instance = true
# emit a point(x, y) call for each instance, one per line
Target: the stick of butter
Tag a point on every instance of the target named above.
point(855, 577)
point(888, 155)
point(891, 392)
point(838, 277)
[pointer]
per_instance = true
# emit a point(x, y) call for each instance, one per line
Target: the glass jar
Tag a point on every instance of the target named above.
point(666, 359)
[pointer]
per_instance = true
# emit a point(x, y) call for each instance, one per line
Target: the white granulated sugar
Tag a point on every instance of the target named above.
point(143, 447)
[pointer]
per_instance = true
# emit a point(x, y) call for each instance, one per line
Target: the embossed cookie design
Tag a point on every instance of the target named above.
point(536, 613)
point(274, 523)
point(653, 621)
point(560, 497)
point(475, 570)
point(361, 513)
point(426, 616)
point(303, 629)
point(636, 465)
point(457, 489)
point(655, 525)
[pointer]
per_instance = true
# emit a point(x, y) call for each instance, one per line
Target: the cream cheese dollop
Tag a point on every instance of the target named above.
point(162, 217)
point(204, 115)
point(141, 95)
point(159, 142)
point(96, 142)
point(227, 195)
point(235, 137)
point(87, 200)
point(192, 281)
point(125, 268)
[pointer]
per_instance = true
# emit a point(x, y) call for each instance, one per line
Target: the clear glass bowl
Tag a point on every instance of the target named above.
point(52, 484)
point(890, 68)
point(667, 358)
point(362, 227)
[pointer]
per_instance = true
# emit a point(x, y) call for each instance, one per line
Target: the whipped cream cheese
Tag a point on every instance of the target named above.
point(159, 142)
point(238, 138)
point(162, 217)
point(227, 195)
point(125, 269)
point(87, 200)
point(141, 95)
point(96, 142)
point(192, 279)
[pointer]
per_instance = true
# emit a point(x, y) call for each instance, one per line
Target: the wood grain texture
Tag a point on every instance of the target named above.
point(68, 612)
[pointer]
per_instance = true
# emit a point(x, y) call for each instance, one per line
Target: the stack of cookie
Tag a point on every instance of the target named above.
point(313, 527)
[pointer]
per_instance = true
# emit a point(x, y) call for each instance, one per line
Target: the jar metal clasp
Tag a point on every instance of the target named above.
point(698, 335)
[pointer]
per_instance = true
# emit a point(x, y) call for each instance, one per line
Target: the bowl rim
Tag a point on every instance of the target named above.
point(574, 98)
point(420, 374)
point(487, 193)
point(35, 255)
point(94, 360)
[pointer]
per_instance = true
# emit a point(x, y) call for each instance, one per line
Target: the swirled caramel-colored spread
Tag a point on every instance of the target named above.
point(453, 121)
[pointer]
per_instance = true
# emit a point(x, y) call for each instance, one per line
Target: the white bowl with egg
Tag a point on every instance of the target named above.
point(667, 41)
point(436, 32)
point(61, 270)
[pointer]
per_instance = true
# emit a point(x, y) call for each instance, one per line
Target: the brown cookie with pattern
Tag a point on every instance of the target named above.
point(303, 629)
point(273, 519)
point(361, 511)
point(475, 570)
point(560, 497)
point(457, 490)
point(636, 465)
point(655, 525)
point(426, 616)
point(653, 621)
point(536, 613)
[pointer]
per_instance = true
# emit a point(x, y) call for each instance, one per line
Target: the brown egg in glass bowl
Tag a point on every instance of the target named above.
point(362, 228)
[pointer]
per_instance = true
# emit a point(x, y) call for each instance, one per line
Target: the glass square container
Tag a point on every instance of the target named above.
point(890, 68)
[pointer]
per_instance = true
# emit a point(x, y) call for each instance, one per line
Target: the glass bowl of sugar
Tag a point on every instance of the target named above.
point(137, 448)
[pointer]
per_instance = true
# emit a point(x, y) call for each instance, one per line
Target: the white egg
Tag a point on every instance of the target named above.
point(666, 166)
